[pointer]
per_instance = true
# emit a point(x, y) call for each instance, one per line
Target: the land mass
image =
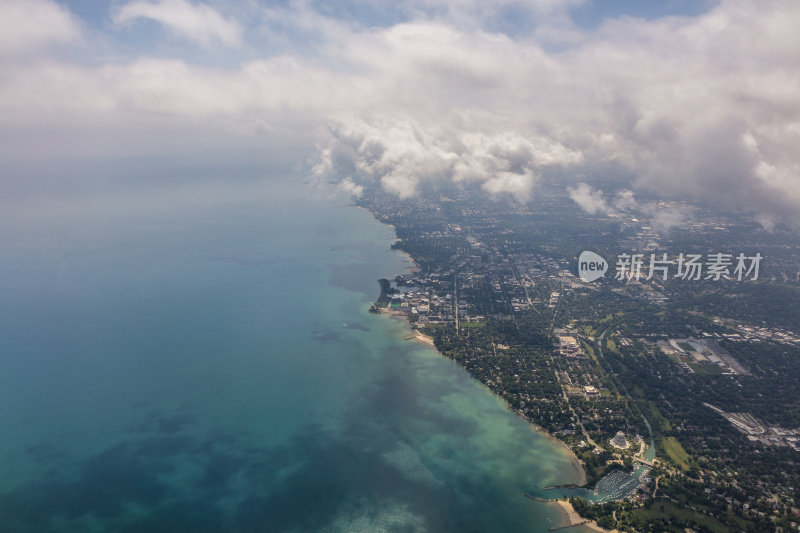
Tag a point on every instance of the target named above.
point(679, 413)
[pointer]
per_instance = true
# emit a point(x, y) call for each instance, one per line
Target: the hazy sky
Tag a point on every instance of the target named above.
point(695, 99)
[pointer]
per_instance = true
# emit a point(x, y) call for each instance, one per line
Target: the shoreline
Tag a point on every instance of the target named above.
point(576, 463)
point(428, 342)
point(570, 516)
point(416, 335)
point(573, 519)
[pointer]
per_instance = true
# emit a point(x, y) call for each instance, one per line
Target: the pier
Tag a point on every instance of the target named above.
point(541, 500)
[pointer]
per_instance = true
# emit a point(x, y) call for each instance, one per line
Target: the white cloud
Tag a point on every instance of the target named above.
point(663, 215)
point(520, 186)
point(690, 98)
point(704, 107)
point(400, 154)
point(27, 25)
point(197, 22)
point(590, 200)
point(349, 187)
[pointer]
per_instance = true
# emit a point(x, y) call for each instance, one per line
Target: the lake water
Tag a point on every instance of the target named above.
point(210, 365)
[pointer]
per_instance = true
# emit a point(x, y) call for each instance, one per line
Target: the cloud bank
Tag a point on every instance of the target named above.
point(663, 215)
point(27, 25)
point(704, 107)
point(399, 154)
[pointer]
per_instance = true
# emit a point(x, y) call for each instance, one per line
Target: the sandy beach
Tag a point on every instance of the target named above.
point(572, 517)
point(424, 339)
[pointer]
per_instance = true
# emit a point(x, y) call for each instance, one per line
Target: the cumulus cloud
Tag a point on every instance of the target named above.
point(715, 110)
point(199, 22)
point(520, 186)
point(704, 107)
point(700, 108)
point(590, 200)
point(398, 155)
point(27, 25)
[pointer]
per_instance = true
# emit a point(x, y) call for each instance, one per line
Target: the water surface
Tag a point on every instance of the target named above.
point(210, 366)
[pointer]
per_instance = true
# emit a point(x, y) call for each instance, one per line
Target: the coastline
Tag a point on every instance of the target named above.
point(570, 515)
point(572, 518)
point(576, 463)
point(425, 340)
point(416, 335)
point(413, 267)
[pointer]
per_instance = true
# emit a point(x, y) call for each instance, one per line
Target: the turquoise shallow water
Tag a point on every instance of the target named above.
point(212, 367)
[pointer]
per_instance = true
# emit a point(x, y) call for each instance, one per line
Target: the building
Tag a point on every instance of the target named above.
point(619, 441)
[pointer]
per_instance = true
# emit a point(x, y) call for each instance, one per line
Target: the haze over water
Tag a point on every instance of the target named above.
point(211, 366)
